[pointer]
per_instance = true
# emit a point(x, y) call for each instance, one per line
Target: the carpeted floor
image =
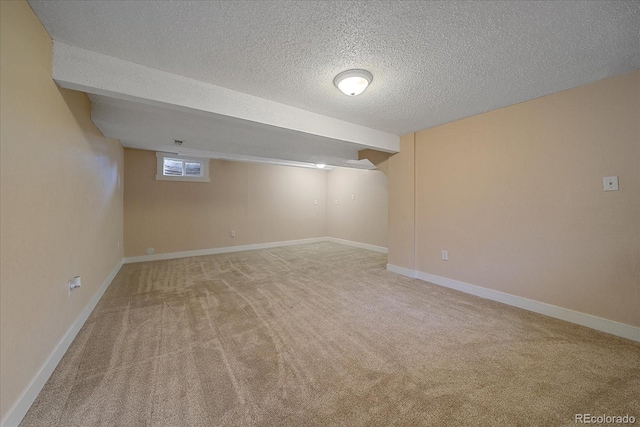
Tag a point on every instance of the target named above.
point(322, 335)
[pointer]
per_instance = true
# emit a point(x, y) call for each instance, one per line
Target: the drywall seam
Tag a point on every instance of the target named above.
point(223, 250)
point(29, 395)
point(241, 248)
point(579, 318)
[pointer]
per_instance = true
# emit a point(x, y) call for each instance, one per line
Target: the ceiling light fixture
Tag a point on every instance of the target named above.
point(320, 165)
point(353, 82)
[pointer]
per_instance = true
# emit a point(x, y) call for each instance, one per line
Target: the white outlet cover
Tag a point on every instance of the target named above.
point(445, 255)
point(610, 183)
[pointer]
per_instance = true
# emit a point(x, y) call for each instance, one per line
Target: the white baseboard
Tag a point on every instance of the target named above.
point(19, 410)
point(588, 320)
point(367, 246)
point(401, 270)
point(228, 249)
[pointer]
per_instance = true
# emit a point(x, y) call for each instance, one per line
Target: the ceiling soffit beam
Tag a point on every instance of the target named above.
point(91, 72)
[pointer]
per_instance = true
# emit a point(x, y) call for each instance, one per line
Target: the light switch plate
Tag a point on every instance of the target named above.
point(610, 183)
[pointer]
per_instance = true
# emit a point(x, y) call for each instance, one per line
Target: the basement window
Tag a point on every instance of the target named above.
point(171, 167)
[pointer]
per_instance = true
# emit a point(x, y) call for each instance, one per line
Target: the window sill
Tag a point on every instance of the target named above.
point(182, 178)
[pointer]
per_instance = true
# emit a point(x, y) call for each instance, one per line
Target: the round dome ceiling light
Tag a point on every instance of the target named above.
point(353, 82)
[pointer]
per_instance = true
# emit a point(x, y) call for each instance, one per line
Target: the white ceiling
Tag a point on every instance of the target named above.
point(212, 135)
point(433, 62)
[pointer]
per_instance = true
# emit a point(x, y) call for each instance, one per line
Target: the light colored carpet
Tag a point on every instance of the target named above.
point(322, 335)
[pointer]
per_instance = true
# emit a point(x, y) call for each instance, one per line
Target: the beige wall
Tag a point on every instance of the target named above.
point(362, 210)
point(401, 172)
point(261, 203)
point(516, 197)
point(60, 202)
point(379, 158)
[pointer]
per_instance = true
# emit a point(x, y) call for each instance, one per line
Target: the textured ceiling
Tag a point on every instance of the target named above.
point(433, 62)
point(253, 81)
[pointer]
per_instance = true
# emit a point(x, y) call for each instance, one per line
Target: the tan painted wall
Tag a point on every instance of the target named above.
point(379, 158)
point(516, 197)
point(362, 210)
point(401, 204)
point(60, 202)
point(261, 203)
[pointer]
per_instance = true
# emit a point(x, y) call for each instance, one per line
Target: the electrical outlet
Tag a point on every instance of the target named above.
point(233, 234)
point(336, 201)
point(315, 202)
point(353, 197)
point(445, 255)
point(74, 283)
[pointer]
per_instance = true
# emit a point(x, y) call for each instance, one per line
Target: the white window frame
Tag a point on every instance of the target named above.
point(160, 176)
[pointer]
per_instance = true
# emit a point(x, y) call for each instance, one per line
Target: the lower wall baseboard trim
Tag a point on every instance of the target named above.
point(401, 270)
point(223, 250)
point(19, 410)
point(367, 246)
point(229, 249)
point(588, 320)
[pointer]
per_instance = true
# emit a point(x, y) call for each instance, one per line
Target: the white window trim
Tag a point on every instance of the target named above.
point(160, 167)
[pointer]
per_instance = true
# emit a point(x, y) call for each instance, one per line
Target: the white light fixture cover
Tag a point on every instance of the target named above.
point(320, 165)
point(353, 82)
